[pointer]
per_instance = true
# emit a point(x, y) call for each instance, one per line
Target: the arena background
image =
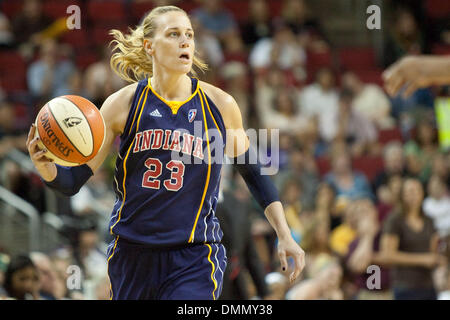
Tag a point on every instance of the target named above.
point(312, 70)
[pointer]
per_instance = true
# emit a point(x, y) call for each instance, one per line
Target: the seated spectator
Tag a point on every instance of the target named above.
point(437, 205)
point(393, 164)
point(301, 21)
point(440, 167)
point(369, 100)
point(320, 100)
point(364, 252)
point(30, 21)
point(22, 279)
point(290, 198)
point(283, 114)
point(235, 76)
point(4, 261)
point(48, 77)
point(389, 197)
point(51, 287)
point(281, 51)
point(409, 246)
point(99, 79)
point(354, 128)
point(348, 183)
point(342, 236)
point(420, 150)
point(258, 25)
point(324, 285)
point(301, 167)
point(6, 35)
point(215, 18)
point(404, 38)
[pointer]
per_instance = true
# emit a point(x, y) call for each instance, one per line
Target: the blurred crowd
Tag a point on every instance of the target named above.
point(363, 178)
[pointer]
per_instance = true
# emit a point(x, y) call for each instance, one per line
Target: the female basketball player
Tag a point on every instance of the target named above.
point(167, 238)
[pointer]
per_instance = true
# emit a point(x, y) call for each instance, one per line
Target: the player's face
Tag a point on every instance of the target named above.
point(172, 46)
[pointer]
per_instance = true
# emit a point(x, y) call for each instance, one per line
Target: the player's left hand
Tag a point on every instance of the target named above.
point(288, 247)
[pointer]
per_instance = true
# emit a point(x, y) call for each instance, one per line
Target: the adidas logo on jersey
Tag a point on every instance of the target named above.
point(155, 113)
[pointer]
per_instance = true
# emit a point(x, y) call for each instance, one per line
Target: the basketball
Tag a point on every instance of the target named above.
point(71, 128)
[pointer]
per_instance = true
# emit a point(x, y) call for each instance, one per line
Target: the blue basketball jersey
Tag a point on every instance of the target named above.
point(167, 171)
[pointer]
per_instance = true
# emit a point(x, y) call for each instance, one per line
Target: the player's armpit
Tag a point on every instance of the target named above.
point(115, 111)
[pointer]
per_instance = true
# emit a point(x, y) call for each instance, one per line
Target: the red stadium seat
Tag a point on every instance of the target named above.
point(388, 135)
point(11, 8)
point(58, 8)
point(76, 38)
point(239, 9)
point(187, 5)
point(357, 58)
point(315, 61)
point(12, 71)
point(440, 49)
point(86, 58)
point(100, 33)
point(438, 8)
point(371, 76)
point(106, 11)
point(370, 166)
point(323, 165)
point(139, 9)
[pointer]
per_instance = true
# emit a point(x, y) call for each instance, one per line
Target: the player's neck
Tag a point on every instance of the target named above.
point(172, 87)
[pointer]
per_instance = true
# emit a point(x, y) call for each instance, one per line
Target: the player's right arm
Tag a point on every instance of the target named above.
point(414, 72)
point(115, 112)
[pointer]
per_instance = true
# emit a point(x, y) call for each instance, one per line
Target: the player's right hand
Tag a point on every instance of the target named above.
point(44, 165)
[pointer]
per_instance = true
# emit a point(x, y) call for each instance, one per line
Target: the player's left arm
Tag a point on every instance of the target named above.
point(261, 186)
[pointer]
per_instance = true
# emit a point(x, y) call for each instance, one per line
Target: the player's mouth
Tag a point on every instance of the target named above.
point(185, 57)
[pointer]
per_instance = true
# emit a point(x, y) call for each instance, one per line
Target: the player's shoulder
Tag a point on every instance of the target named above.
point(224, 101)
point(116, 107)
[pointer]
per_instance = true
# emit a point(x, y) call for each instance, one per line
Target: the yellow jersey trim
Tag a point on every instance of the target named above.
point(173, 105)
point(212, 271)
point(191, 237)
point(209, 109)
point(111, 293)
point(125, 163)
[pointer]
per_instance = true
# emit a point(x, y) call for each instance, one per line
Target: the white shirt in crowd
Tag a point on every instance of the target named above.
point(439, 211)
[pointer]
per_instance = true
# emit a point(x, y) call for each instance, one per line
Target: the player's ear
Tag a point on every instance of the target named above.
point(148, 46)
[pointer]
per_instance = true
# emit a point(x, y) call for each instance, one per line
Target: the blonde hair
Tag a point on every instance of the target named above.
point(130, 60)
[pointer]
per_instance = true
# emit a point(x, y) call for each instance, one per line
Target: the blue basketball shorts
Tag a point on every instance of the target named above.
point(193, 272)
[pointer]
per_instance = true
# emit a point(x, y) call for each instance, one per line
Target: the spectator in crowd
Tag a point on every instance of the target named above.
point(278, 285)
point(320, 100)
point(409, 245)
point(22, 279)
point(10, 135)
point(440, 167)
point(420, 151)
point(51, 286)
point(48, 77)
point(282, 51)
point(342, 236)
point(30, 21)
point(4, 261)
point(389, 197)
point(437, 205)
point(237, 238)
point(348, 183)
point(354, 128)
point(291, 194)
point(302, 168)
point(258, 25)
point(403, 39)
point(369, 100)
point(302, 22)
point(283, 114)
point(215, 18)
point(99, 79)
point(364, 252)
point(325, 284)
point(6, 35)
point(236, 82)
point(393, 164)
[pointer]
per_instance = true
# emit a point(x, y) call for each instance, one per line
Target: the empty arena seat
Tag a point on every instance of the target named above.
point(12, 71)
point(370, 166)
point(371, 76)
point(76, 38)
point(357, 58)
point(11, 8)
point(323, 165)
point(85, 58)
point(58, 8)
point(438, 8)
point(388, 135)
point(106, 11)
point(139, 9)
point(441, 49)
point(238, 8)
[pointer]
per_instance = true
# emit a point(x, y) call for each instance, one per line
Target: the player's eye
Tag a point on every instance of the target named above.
point(173, 34)
point(190, 35)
